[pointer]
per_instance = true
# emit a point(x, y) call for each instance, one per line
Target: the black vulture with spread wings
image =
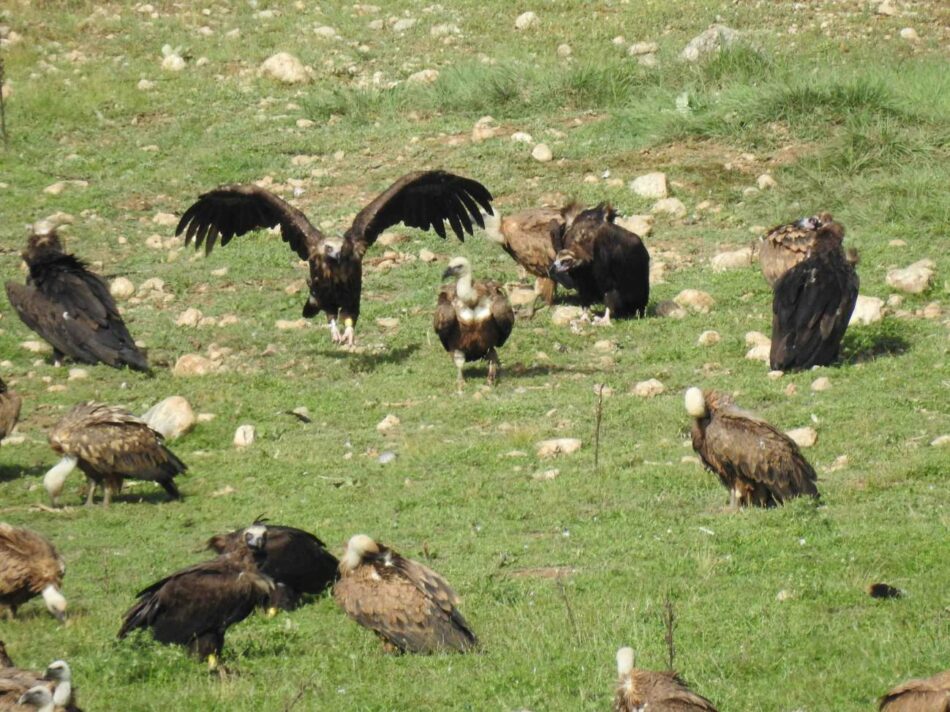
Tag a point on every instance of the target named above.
point(423, 200)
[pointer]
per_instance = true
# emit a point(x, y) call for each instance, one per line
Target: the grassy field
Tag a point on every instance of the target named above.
point(555, 575)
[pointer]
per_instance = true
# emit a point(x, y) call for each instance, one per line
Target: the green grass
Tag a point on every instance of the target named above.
point(850, 121)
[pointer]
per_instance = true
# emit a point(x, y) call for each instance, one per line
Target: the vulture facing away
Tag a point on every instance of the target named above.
point(56, 683)
point(71, 308)
point(408, 605)
point(758, 464)
point(110, 445)
point(648, 691)
point(928, 695)
point(784, 246)
point(296, 560)
point(604, 263)
point(10, 404)
point(195, 606)
point(472, 318)
point(423, 200)
point(30, 567)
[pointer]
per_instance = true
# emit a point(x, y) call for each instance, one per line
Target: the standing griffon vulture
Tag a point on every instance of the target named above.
point(110, 445)
point(10, 404)
point(604, 263)
point(71, 308)
point(408, 605)
point(926, 695)
point(472, 318)
point(423, 200)
point(645, 690)
point(758, 464)
point(29, 567)
point(195, 606)
point(296, 560)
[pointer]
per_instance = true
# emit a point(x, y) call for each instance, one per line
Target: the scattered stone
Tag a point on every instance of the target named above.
point(710, 41)
point(913, 279)
point(669, 206)
point(193, 365)
point(641, 48)
point(285, 68)
point(288, 325)
point(784, 595)
point(59, 186)
point(757, 338)
point(388, 239)
point(427, 255)
point(444, 30)
point(386, 457)
point(121, 288)
point(766, 182)
point(867, 310)
point(189, 317)
point(670, 309)
point(172, 417)
point(173, 62)
point(220, 272)
point(735, 259)
point(224, 491)
point(564, 51)
point(940, 441)
point(605, 346)
point(709, 338)
point(145, 85)
point(909, 34)
point(37, 347)
point(601, 390)
point(821, 384)
point(426, 76)
point(887, 8)
point(485, 128)
point(564, 315)
point(522, 137)
point(545, 475)
point(305, 123)
point(542, 153)
point(521, 297)
point(695, 300)
point(760, 352)
point(387, 322)
point(803, 437)
point(650, 185)
point(404, 24)
point(244, 436)
point(206, 417)
point(648, 389)
point(151, 287)
point(647, 60)
point(77, 374)
point(894, 300)
point(931, 311)
point(840, 463)
point(640, 225)
point(557, 446)
point(387, 423)
point(775, 375)
point(897, 243)
point(526, 20)
point(325, 31)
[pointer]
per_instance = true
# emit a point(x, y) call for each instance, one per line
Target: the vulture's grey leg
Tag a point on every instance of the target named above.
point(107, 494)
point(91, 491)
point(733, 500)
point(459, 358)
point(603, 320)
point(334, 331)
point(493, 365)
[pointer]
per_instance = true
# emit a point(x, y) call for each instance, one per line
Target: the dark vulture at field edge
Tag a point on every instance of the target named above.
point(296, 560)
point(194, 607)
point(639, 690)
point(71, 307)
point(757, 463)
point(110, 445)
point(472, 318)
point(604, 263)
point(408, 605)
point(924, 695)
point(10, 404)
point(423, 200)
point(30, 566)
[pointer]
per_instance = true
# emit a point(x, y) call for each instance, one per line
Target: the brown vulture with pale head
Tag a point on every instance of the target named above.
point(71, 307)
point(194, 607)
point(408, 605)
point(472, 318)
point(296, 560)
point(10, 404)
point(814, 297)
point(30, 567)
point(423, 200)
point(604, 263)
point(927, 695)
point(56, 681)
point(110, 445)
point(648, 691)
point(758, 464)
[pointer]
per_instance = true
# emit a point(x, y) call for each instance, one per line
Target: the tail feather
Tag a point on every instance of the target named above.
point(139, 615)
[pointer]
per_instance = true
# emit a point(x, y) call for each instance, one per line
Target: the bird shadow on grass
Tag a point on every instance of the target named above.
point(15, 472)
point(518, 370)
point(867, 343)
point(370, 361)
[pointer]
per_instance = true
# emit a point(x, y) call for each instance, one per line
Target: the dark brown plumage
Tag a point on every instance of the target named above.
point(296, 560)
point(926, 695)
point(110, 445)
point(71, 308)
point(30, 566)
point(648, 691)
point(406, 604)
point(758, 464)
point(472, 318)
point(424, 200)
point(884, 590)
point(10, 404)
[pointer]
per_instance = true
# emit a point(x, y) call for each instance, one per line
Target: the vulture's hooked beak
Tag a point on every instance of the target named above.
point(255, 538)
point(451, 272)
point(810, 223)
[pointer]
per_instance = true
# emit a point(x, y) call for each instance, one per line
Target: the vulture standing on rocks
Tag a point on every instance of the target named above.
point(29, 567)
point(9, 410)
point(604, 263)
point(814, 297)
point(406, 604)
point(929, 695)
point(71, 308)
point(648, 691)
point(758, 464)
point(296, 560)
point(195, 606)
point(423, 200)
point(110, 445)
point(472, 319)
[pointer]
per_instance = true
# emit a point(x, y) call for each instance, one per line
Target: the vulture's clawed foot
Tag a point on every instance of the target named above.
point(335, 332)
point(603, 320)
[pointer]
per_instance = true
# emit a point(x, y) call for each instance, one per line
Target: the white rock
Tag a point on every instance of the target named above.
point(244, 436)
point(546, 475)
point(542, 153)
point(173, 63)
point(521, 296)
point(670, 309)
point(426, 76)
point(564, 315)
point(650, 185)
point(387, 322)
point(172, 417)
point(821, 384)
point(189, 317)
point(759, 352)
point(564, 51)
point(784, 595)
point(145, 85)
point(404, 24)
point(648, 389)
point(640, 225)
point(766, 182)
point(387, 423)
point(867, 310)
point(522, 137)
point(887, 8)
point(78, 374)
point(619, 41)
point(37, 347)
point(291, 325)
point(910, 34)
point(152, 285)
point(803, 437)
point(121, 288)
point(709, 338)
point(605, 345)
point(710, 41)
point(757, 338)
point(647, 60)
point(285, 68)
point(485, 128)
point(325, 31)
point(940, 441)
point(165, 219)
point(775, 375)
point(894, 300)
point(427, 255)
point(669, 206)
point(913, 279)
point(526, 20)
point(695, 300)
point(444, 30)
point(193, 365)
point(640, 48)
point(558, 446)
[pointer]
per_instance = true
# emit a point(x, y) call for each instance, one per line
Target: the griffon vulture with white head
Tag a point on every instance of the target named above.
point(931, 694)
point(648, 691)
point(423, 200)
point(29, 567)
point(757, 463)
point(10, 404)
point(56, 680)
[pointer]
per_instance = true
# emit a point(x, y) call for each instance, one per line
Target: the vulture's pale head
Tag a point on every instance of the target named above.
point(256, 537)
point(625, 660)
point(356, 549)
point(55, 602)
point(55, 479)
point(564, 261)
point(43, 239)
point(333, 248)
point(39, 697)
point(59, 672)
point(457, 267)
point(695, 402)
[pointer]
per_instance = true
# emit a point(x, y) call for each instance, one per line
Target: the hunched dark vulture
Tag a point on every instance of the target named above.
point(604, 263)
point(110, 445)
point(30, 566)
point(757, 463)
point(931, 694)
point(296, 560)
point(71, 308)
point(408, 605)
point(10, 404)
point(194, 607)
point(423, 200)
point(472, 318)
point(646, 690)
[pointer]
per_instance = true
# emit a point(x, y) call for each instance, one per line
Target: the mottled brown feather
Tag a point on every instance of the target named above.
point(474, 339)
point(10, 404)
point(28, 564)
point(646, 690)
point(930, 694)
point(784, 246)
point(532, 238)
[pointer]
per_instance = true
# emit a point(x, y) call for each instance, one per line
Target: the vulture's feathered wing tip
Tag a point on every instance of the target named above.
point(695, 402)
point(625, 658)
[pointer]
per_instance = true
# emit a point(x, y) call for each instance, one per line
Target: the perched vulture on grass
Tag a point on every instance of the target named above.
point(472, 319)
point(409, 606)
point(110, 445)
point(9, 410)
point(195, 606)
point(71, 308)
point(423, 200)
point(648, 691)
point(296, 560)
point(758, 464)
point(29, 567)
point(604, 263)
point(813, 299)
point(56, 681)
point(929, 695)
